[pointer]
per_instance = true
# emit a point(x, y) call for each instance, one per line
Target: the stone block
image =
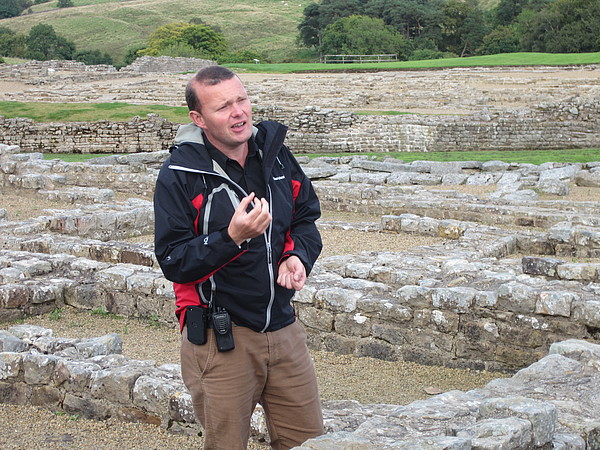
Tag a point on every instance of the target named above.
point(10, 343)
point(554, 187)
point(445, 321)
point(540, 265)
point(384, 308)
point(415, 296)
point(517, 297)
point(15, 393)
point(457, 299)
point(486, 299)
point(577, 349)
point(373, 348)
point(181, 408)
point(154, 394)
point(14, 296)
point(115, 383)
point(75, 376)
point(338, 344)
point(587, 312)
point(584, 272)
point(46, 396)
point(39, 369)
point(451, 229)
point(512, 357)
point(337, 299)
point(121, 303)
point(587, 178)
point(508, 433)
point(86, 296)
point(86, 407)
point(563, 441)
point(316, 318)
point(541, 415)
point(29, 332)
point(11, 365)
point(115, 277)
point(104, 345)
point(555, 303)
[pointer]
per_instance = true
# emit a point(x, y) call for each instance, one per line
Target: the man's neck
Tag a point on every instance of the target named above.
point(238, 154)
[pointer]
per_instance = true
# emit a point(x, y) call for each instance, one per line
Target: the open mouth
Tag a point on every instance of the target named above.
point(239, 125)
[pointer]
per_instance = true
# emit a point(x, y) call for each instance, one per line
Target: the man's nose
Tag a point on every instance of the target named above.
point(236, 110)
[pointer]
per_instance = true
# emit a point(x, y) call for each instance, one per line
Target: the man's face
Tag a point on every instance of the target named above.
point(226, 116)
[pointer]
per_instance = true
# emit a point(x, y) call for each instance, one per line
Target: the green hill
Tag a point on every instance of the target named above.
point(114, 27)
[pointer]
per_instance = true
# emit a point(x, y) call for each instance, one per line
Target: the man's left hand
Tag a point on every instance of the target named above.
point(292, 273)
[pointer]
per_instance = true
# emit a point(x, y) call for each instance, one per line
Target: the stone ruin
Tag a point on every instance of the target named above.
point(514, 287)
point(450, 109)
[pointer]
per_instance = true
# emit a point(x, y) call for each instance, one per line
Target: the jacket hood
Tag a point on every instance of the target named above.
point(268, 135)
point(192, 133)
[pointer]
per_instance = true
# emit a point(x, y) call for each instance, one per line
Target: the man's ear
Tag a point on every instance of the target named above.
point(197, 118)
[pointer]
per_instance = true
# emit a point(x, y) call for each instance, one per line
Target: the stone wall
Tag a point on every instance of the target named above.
point(138, 135)
point(312, 130)
point(458, 304)
point(553, 403)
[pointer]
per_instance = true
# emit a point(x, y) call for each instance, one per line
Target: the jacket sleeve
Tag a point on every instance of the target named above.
point(303, 238)
point(184, 255)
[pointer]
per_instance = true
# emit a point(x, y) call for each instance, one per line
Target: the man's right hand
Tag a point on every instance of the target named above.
point(247, 225)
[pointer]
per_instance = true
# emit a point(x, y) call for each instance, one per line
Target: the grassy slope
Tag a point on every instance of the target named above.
point(503, 59)
point(115, 26)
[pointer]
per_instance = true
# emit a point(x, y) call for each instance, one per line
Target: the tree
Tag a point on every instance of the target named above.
point(409, 17)
point(564, 26)
point(463, 27)
point(9, 8)
point(311, 33)
point(184, 39)
point(502, 39)
point(318, 16)
point(65, 3)
point(507, 11)
point(44, 44)
point(93, 57)
point(206, 40)
point(11, 43)
point(363, 35)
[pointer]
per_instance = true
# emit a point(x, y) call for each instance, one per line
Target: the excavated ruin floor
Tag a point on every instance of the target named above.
point(340, 376)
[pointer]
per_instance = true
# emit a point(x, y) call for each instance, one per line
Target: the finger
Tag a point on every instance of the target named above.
point(245, 202)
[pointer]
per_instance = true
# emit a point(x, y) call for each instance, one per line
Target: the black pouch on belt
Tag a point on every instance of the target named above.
point(196, 319)
point(221, 323)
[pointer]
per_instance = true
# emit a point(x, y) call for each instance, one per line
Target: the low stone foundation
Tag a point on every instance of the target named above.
point(488, 297)
point(553, 403)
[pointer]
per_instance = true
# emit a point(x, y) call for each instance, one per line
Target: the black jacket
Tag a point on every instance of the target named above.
point(193, 204)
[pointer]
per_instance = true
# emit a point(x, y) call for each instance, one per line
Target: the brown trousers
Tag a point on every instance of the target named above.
point(274, 369)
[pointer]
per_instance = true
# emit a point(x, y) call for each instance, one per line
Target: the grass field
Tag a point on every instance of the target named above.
point(89, 112)
point(503, 59)
point(113, 26)
point(521, 156)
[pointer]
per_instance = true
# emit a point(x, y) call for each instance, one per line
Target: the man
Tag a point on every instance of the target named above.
point(235, 232)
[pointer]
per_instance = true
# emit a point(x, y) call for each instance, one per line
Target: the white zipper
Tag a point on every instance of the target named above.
point(266, 234)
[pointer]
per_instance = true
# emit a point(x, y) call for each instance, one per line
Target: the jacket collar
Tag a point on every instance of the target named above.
point(269, 137)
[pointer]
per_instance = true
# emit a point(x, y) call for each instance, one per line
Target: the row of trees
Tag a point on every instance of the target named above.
point(196, 40)
point(13, 8)
point(43, 44)
point(423, 29)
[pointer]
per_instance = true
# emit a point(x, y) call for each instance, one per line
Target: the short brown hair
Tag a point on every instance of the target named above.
point(208, 76)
